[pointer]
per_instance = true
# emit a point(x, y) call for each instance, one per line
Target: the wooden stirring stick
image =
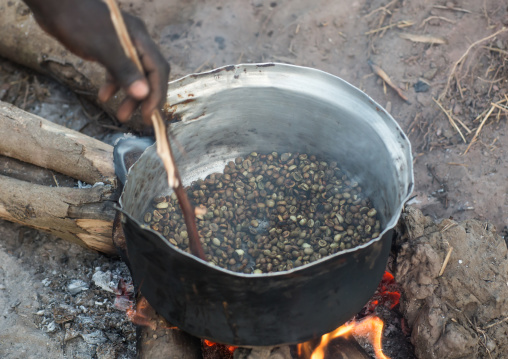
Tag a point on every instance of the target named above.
point(161, 137)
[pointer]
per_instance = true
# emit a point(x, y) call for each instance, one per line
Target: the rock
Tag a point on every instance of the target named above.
point(64, 313)
point(429, 75)
point(106, 351)
point(422, 86)
point(77, 286)
point(51, 327)
point(94, 338)
point(104, 280)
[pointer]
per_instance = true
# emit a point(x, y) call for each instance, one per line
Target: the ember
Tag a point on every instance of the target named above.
point(211, 344)
point(216, 350)
point(386, 295)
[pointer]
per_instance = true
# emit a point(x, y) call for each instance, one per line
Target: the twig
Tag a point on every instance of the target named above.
point(379, 71)
point(496, 50)
point(436, 17)
point(382, 8)
point(427, 39)
point(457, 164)
point(400, 25)
point(454, 67)
point(451, 8)
point(452, 121)
point(479, 128)
point(54, 179)
point(445, 263)
point(163, 147)
point(499, 106)
point(448, 226)
point(495, 323)
point(200, 67)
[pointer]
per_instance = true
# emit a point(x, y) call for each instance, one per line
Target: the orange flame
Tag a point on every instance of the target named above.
point(370, 328)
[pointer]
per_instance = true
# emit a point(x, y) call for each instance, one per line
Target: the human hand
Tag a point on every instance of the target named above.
point(85, 28)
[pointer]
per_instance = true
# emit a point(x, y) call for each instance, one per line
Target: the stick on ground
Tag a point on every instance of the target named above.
point(379, 71)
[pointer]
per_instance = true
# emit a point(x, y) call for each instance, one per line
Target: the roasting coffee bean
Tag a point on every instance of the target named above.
point(271, 212)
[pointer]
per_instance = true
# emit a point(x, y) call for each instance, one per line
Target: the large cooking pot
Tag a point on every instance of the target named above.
point(233, 111)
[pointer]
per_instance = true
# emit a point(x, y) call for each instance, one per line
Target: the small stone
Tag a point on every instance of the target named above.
point(94, 338)
point(308, 251)
point(422, 86)
point(51, 328)
point(429, 75)
point(77, 286)
point(216, 241)
point(104, 281)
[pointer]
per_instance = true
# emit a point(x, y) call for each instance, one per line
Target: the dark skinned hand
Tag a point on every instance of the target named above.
point(85, 28)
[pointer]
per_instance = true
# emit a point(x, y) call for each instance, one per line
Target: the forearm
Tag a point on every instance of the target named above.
point(85, 28)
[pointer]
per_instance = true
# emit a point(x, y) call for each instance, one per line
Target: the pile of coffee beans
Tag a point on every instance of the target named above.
point(271, 212)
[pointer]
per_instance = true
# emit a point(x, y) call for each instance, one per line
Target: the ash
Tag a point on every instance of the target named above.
point(57, 299)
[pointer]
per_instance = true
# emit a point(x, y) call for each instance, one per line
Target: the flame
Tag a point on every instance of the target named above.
point(139, 315)
point(370, 328)
point(142, 313)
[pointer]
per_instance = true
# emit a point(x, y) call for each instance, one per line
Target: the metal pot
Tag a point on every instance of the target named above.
point(233, 111)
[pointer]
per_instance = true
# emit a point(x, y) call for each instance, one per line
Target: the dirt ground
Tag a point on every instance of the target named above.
point(457, 65)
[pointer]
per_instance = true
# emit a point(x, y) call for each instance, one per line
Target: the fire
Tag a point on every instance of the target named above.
point(370, 328)
point(209, 343)
point(389, 297)
point(141, 313)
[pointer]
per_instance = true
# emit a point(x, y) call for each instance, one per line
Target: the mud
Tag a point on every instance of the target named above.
point(461, 310)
